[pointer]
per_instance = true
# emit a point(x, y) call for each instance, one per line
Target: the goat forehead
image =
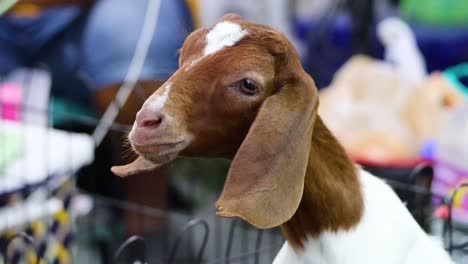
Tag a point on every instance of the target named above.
point(223, 34)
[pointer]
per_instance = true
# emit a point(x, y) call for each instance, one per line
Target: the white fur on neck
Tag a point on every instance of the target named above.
point(223, 34)
point(158, 102)
point(386, 234)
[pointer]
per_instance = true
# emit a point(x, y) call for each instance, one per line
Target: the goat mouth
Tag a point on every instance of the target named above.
point(160, 152)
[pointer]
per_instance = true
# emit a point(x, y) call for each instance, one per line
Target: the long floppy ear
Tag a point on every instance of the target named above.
point(137, 166)
point(266, 179)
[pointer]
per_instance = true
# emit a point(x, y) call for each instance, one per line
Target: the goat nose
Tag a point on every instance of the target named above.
point(148, 119)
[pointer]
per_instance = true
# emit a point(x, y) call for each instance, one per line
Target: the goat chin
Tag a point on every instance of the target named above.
point(160, 159)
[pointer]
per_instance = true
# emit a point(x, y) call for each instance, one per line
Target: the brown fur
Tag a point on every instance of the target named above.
point(332, 197)
point(287, 168)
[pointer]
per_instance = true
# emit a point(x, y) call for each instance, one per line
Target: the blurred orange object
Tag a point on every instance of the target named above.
point(26, 9)
point(379, 116)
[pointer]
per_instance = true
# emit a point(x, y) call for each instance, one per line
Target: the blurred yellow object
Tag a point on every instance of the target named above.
point(38, 227)
point(32, 257)
point(63, 255)
point(428, 107)
point(361, 108)
point(26, 10)
point(460, 196)
point(194, 6)
point(62, 217)
point(377, 114)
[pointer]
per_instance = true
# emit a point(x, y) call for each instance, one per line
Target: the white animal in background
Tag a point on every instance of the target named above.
point(401, 49)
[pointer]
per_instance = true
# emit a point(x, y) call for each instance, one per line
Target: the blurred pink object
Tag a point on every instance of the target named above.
point(442, 212)
point(10, 101)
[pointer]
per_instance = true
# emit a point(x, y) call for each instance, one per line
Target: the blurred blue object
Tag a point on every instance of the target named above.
point(457, 75)
point(428, 150)
point(330, 43)
point(89, 48)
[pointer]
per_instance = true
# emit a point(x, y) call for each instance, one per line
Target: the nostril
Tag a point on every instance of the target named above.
point(151, 123)
point(146, 119)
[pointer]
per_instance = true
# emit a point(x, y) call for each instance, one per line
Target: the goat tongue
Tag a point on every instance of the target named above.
point(138, 166)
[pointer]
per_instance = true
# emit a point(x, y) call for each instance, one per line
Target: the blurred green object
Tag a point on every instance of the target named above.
point(454, 75)
point(205, 175)
point(439, 12)
point(5, 5)
point(62, 110)
point(210, 172)
point(9, 146)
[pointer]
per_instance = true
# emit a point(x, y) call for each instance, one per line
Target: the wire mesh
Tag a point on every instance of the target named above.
point(182, 245)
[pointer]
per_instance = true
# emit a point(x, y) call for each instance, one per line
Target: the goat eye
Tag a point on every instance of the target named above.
point(248, 87)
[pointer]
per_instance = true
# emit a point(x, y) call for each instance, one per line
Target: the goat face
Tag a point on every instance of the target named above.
point(207, 106)
point(240, 92)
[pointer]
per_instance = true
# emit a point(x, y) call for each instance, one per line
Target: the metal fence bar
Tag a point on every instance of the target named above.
point(134, 241)
point(258, 243)
point(227, 253)
point(140, 244)
point(192, 224)
point(451, 246)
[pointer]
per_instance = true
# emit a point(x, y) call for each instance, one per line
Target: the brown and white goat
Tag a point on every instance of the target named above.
point(242, 94)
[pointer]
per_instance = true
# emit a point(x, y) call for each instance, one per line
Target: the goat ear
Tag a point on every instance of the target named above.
point(231, 17)
point(138, 166)
point(266, 179)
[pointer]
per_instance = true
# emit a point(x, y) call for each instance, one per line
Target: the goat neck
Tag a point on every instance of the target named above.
point(332, 198)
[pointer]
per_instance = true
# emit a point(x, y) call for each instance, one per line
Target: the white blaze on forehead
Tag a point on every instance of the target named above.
point(223, 34)
point(157, 101)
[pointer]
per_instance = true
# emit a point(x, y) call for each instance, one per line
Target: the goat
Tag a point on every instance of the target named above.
point(241, 93)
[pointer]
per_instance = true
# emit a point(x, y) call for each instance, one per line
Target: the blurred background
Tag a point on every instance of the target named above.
point(392, 76)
